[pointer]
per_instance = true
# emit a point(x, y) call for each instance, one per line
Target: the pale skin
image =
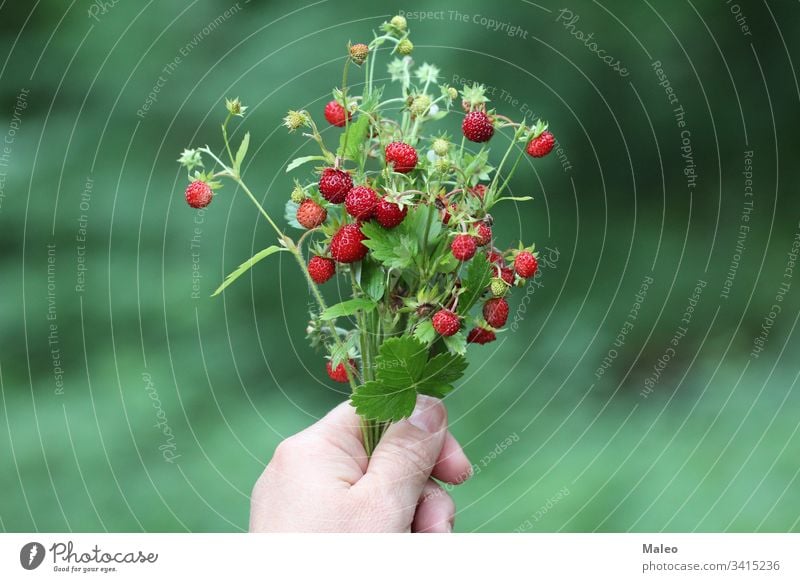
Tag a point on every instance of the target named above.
point(320, 479)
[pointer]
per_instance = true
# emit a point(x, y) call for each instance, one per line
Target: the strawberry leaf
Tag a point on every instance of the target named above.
point(355, 136)
point(456, 344)
point(297, 162)
point(241, 153)
point(373, 280)
point(393, 248)
point(401, 362)
point(378, 401)
point(246, 266)
point(440, 373)
point(424, 331)
point(346, 308)
point(477, 278)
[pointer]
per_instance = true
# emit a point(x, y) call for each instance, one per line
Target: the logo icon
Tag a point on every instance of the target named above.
point(31, 555)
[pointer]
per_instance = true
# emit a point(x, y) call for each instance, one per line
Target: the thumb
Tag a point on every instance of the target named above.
point(406, 454)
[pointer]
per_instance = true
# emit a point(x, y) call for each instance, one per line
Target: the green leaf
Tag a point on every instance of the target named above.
point(244, 267)
point(474, 283)
point(515, 198)
point(393, 248)
point(400, 362)
point(355, 134)
point(456, 344)
point(424, 331)
point(377, 401)
point(241, 152)
point(440, 373)
point(297, 162)
point(348, 308)
point(373, 280)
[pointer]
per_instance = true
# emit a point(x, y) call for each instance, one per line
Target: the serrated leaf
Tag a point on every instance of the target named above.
point(297, 162)
point(440, 373)
point(400, 362)
point(474, 283)
point(373, 280)
point(424, 331)
point(393, 248)
point(246, 266)
point(349, 307)
point(456, 344)
point(355, 135)
point(377, 401)
point(241, 152)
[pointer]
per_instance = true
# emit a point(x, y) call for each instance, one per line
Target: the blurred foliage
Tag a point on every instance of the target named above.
point(714, 447)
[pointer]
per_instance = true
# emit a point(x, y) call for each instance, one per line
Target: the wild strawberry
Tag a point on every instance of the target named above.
point(495, 312)
point(526, 264)
point(335, 114)
point(446, 323)
point(480, 335)
point(494, 257)
point(542, 145)
point(507, 275)
point(339, 374)
point(477, 126)
point(402, 156)
point(310, 214)
point(346, 244)
point(388, 214)
point(498, 287)
point(321, 269)
point(334, 184)
point(463, 247)
point(478, 190)
point(484, 236)
point(360, 202)
point(198, 194)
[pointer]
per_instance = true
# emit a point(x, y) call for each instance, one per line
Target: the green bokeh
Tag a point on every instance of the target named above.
point(714, 447)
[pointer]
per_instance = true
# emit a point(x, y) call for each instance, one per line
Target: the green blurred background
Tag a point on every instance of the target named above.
point(713, 447)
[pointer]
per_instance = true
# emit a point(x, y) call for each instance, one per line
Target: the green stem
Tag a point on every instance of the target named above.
point(346, 107)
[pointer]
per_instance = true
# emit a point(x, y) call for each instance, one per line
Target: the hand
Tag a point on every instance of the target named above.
point(321, 480)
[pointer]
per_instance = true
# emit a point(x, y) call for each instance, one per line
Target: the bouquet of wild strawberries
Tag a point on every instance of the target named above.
point(412, 233)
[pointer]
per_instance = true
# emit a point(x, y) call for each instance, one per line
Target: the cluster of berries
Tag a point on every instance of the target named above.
point(406, 215)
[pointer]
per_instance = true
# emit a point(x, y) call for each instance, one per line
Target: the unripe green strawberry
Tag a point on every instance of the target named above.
point(441, 147)
point(498, 287)
point(405, 47)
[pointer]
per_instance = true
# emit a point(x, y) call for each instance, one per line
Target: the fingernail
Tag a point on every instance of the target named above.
point(428, 415)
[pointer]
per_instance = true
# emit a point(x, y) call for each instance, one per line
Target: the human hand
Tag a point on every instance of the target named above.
point(320, 480)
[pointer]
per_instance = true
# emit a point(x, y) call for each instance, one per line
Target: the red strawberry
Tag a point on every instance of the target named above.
point(484, 236)
point(526, 264)
point(463, 247)
point(389, 214)
point(479, 190)
point(360, 202)
point(446, 323)
point(335, 114)
point(346, 244)
point(507, 275)
point(478, 126)
point(447, 210)
point(480, 335)
point(321, 269)
point(542, 145)
point(310, 214)
point(495, 312)
point(334, 184)
point(198, 194)
point(339, 374)
point(402, 156)
point(494, 257)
